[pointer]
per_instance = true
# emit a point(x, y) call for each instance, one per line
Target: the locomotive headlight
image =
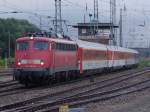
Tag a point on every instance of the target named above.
point(42, 63)
point(19, 63)
point(31, 38)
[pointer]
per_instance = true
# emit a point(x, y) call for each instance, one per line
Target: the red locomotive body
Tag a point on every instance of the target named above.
point(39, 58)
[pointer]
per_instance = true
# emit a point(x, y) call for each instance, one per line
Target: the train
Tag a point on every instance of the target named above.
point(42, 59)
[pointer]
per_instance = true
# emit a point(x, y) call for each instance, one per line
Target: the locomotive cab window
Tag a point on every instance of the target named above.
point(22, 46)
point(40, 45)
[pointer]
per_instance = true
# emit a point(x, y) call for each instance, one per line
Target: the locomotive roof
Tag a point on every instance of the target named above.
point(47, 39)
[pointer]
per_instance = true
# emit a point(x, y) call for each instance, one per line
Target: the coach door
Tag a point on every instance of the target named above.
point(53, 57)
point(80, 61)
point(107, 57)
point(110, 56)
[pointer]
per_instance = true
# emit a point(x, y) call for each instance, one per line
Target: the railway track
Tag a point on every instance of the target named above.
point(75, 101)
point(7, 86)
point(6, 72)
point(6, 82)
point(18, 90)
point(12, 89)
point(6, 69)
point(9, 83)
point(26, 105)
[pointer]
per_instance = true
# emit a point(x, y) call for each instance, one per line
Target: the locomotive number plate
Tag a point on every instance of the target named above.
point(30, 61)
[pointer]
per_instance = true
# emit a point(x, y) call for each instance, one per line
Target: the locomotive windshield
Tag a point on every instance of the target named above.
point(22, 46)
point(40, 45)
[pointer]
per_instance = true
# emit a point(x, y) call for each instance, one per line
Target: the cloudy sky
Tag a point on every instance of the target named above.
point(136, 25)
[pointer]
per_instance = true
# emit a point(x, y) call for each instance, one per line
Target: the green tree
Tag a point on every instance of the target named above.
point(13, 28)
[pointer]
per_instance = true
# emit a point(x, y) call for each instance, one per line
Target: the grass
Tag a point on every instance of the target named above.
point(144, 63)
point(2, 62)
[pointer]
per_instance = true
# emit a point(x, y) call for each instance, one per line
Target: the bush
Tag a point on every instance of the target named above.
point(10, 62)
point(144, 62)
point(12, 29)
point(2, 62)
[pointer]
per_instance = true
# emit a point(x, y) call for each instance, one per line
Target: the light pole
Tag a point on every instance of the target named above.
point(90, 15)
point(9, 47)
point(120, 24)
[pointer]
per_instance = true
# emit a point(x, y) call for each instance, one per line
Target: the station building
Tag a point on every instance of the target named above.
point(95, 32)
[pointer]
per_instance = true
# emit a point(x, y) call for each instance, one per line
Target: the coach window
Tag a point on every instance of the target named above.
point(22, 46)
point(40, 45)
point(65, 48)
point(59, 46)
point(72, 47)
point(62, 47)
point(68, 47)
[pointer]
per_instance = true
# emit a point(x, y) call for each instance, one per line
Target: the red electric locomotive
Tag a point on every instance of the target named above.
point(38, 58)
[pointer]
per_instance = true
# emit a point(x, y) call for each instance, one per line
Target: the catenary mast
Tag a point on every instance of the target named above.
point(58, 17)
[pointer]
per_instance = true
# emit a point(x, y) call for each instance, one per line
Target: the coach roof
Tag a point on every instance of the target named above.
point(122, 49)
point(97, 46)
point(91, 45)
